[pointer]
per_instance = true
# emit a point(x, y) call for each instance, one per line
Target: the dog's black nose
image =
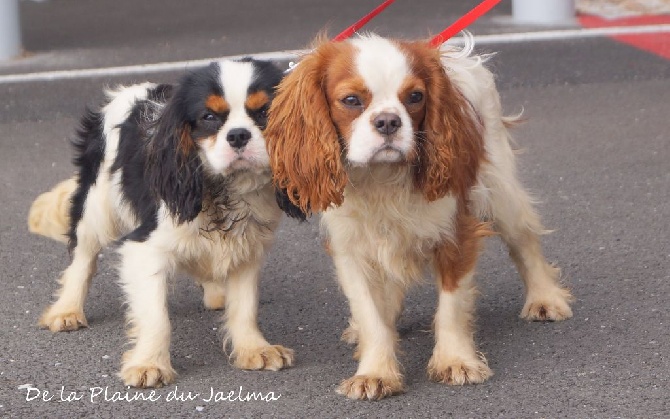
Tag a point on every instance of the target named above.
point(238, 137)
point(387, 123)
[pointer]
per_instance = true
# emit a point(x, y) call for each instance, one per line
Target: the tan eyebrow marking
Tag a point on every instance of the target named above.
point(410, 84)
point(353, 85)
point(217, 104)
point(257, 100)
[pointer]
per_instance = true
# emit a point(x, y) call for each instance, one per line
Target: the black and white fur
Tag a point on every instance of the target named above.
point(180, 187)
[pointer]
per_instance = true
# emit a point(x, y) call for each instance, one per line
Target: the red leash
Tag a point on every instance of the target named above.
point(365, 19)
point(466, 20)
point(462, 23)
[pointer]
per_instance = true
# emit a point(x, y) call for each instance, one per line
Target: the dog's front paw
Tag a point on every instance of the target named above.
point(365, 387)
point(458, 371)
point(214, 296)
point(270, 357)
point(59, 321)
point(144, 376)
point(350, 334)
point(550, 306)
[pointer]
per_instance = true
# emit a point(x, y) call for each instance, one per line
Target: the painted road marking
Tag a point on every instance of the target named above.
point(656, 43)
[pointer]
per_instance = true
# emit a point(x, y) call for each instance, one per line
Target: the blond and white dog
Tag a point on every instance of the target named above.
point(406, 152)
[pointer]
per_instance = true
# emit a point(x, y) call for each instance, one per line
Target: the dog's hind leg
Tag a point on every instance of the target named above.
point(67, 313)
point(94, 230)
point(504, 201)
point(214, 295)
point(546, 299)
point(393, 295)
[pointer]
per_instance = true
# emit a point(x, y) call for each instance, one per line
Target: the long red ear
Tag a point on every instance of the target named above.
point(452, 145)
point(302, 141)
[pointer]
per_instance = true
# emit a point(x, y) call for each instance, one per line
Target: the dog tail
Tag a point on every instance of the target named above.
point(49, 215)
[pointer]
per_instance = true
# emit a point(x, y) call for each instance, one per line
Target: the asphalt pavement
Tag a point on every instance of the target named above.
point(596, 153)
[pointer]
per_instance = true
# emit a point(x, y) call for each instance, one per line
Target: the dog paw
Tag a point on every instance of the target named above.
point(144, 376)
point(62, 322)
point(270, 357)
point(458, 371)
point(214, 302)
point(554, 306)
point(364, 387)
point(350, 334)
point(214, 297)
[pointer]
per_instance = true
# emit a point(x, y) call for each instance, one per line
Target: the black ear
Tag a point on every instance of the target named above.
point(287, 206)
point(174, 170)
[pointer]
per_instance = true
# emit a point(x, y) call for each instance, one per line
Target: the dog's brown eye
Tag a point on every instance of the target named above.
point(415, 97)
point(208, 116)
point(352, 101)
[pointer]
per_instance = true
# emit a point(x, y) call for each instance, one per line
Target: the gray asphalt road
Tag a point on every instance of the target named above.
point(596, 157)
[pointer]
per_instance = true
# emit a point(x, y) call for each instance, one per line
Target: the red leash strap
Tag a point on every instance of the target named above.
point(462, 23)
point(365, 19)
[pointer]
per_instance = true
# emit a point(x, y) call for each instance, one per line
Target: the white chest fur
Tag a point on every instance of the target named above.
point(387, 226)
point(209, 252)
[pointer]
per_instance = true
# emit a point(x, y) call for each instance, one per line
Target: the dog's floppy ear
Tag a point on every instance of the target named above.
point(287, 206)
point(451, 143)
point(173, 168)
point(303, 144)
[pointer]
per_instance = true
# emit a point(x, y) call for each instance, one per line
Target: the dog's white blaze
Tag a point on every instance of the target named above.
point(235, 78)
point(384, 82)
point(381, 64)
